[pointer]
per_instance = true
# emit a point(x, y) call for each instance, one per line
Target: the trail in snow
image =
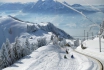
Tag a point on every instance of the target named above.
point(53, 60)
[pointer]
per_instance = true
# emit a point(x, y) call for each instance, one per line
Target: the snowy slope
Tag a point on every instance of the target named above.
point(11, 27)
point(51, 57)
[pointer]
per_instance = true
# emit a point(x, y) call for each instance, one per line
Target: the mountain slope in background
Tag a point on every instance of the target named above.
point(11, 27)
point(46, 6)
point(51, 6)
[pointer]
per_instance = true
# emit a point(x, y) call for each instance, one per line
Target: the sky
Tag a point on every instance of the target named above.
point(92, 2)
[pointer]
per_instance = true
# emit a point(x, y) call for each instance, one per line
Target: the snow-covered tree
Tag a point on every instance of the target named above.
point(17, 48)
point(8, 47)
point(23, 51)
point(12, 55)
point(41, 42)
point(55, 40)
point(62, 43)
point(4, 56)
point(34, 46)
point(27, 46)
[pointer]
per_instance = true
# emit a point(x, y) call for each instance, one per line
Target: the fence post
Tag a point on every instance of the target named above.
point(92, 35)
point(84, 34)
point(100, 43)
point(87, 35)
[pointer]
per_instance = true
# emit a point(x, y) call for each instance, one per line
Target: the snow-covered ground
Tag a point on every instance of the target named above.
point(51, 57)
point(93, 49)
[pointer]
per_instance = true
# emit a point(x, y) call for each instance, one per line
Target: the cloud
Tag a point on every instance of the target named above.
point(71, 25)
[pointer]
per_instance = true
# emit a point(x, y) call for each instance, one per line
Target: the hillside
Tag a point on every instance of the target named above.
point(11, 27)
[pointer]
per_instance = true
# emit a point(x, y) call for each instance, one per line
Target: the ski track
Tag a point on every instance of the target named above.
point(57, 62)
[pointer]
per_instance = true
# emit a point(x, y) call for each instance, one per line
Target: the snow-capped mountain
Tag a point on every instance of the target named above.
point(52, 6)
point(44, 6)
point(11, 27)
point(48, 6)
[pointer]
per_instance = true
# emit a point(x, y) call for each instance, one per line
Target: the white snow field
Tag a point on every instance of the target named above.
point(93, 49)
point(51, 57)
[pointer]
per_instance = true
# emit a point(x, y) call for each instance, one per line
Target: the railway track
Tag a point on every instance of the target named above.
point(101, 66)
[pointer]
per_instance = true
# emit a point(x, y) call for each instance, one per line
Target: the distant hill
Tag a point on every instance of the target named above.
point(11, 27)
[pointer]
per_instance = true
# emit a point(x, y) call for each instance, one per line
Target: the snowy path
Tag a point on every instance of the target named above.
point(53, 60)
point(51, 57)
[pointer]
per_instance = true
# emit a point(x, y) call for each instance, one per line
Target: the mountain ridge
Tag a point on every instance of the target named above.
point(12, 27)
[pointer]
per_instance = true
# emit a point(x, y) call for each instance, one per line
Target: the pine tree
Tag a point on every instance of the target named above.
point(4, 56)
point(18, 48)
point(8, 47)
point(27, 47)
point(41, 42)
point(23, 51)
point(12, 55)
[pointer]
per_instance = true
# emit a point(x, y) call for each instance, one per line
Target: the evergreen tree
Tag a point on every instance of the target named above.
point(18, 48)
point(8, 47)
point(27, 47)
point(4, 56)
point(41, 42)
point(12, 55)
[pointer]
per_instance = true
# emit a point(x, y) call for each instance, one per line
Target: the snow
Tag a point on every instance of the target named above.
point(51, 57)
